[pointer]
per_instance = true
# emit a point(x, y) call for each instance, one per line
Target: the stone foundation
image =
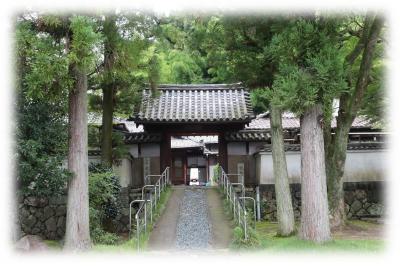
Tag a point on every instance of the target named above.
point(46, 217)
point(362, 199)
point(42, 217)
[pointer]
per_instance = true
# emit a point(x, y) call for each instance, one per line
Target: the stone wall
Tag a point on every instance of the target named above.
point(46, 217)
point(120, 224)
point(362, 199)
point(43, 217)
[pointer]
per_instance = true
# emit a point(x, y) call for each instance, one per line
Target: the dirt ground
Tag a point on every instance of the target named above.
point(221, 226)
point(355, 229)
point(163, 234)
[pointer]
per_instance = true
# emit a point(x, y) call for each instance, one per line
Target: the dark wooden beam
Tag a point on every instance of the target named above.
point(222, 151)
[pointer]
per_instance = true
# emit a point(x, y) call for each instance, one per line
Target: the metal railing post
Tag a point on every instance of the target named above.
point(159, 186)
point(254, 208)
point(137, 232)
point(237, 203)
point(245, 225)
point(145, 216)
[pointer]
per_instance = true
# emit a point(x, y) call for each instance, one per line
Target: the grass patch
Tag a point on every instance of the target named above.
point(269, 241)
point(53, 244)
point(362, 224)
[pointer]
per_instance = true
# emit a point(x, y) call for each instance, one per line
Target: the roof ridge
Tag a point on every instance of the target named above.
point(200, 86)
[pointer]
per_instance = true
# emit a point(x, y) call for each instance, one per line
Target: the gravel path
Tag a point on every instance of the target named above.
point(193, 230)
point(193, 219)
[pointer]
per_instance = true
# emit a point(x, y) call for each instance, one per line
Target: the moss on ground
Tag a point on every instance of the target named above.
point(267, 233)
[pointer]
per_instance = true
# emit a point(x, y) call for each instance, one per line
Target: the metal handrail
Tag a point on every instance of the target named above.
point(236, 202)
point(254, 208)
point(161, 184)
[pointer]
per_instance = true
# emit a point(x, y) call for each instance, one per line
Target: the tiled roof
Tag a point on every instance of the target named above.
point(196, 103)
point(247, 135)
point(94, 152)
point(291, 121)
point(350, 146)
point(141, 137)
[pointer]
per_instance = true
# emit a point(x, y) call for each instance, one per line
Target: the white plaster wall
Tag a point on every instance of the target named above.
point(361, 166)
point(366, 166)
point(124, 171)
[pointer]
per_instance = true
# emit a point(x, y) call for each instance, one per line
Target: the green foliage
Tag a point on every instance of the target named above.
point(104, 190)
point(126, 37)
point(181, 57)
point(240, 242)
point(260, 99)
point(375, 101)
point(216, 172)
point(41, 148)
point(97, 233)
point(42, 66)
point(84, 40)
point(309, 69)
point(41, 130)
point(120, 150)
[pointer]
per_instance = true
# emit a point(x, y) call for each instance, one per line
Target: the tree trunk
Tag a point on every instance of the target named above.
point(77, 235)
point(336, 158)
point(314, 202)
point(110, 32)
point(282, 189)
point(349, 106)
point(107, 126)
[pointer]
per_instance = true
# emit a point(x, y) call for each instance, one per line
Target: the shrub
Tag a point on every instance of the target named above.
point(41, 147)
point(104, 189)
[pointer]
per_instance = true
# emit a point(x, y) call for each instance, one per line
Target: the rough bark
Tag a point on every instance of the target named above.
point(282, 190)
point(77, 235)
point(109, 31)
point(314, 202)
point(107, 126)
point(335, 169)
point(349, 106)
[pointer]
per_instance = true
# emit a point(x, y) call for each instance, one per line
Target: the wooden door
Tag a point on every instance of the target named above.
point(178, 170)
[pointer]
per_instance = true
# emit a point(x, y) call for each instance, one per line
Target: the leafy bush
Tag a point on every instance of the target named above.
point(216, 173)
point(104, 189)
point(41, 148)
point(97, 233)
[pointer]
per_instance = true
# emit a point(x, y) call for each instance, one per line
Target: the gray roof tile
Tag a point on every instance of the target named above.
point(196, 103)
point(291, 121)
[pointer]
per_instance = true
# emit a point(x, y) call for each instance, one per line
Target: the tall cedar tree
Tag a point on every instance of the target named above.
point(126, 65)
point(238, 54)
point(309, 75)
point(349, 107)
point(77, 32)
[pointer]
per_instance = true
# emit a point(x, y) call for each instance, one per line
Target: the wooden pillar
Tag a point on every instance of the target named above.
point(165, 151)
point(222, 151)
